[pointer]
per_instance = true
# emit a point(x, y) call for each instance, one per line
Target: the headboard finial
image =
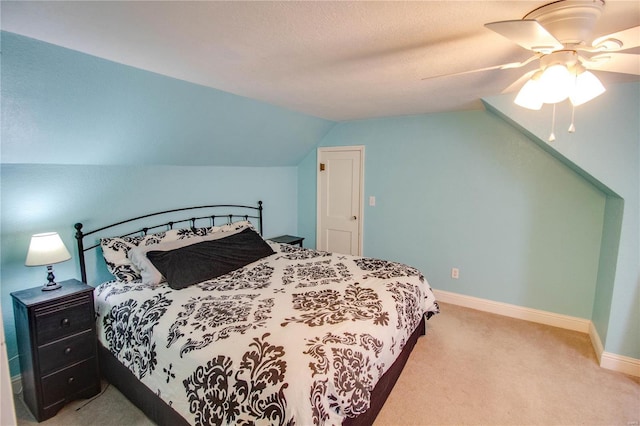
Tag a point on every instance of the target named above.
point(79, 236)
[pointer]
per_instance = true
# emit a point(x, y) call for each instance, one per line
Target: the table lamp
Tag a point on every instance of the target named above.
point(47, 249)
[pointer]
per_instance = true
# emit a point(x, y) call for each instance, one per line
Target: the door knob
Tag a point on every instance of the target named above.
point(353, 218)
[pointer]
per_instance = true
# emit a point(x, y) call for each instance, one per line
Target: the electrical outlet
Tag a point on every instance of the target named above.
point(455, 273)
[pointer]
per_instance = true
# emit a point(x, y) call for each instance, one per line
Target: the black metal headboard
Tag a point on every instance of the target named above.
point(241, 212)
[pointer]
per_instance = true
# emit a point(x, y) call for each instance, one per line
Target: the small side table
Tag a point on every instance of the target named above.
point(288, 239)
point(56, 333)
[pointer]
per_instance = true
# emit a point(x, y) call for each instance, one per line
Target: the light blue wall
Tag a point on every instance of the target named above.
point(85, 139)
point(606, 147)
point(65, 107)
point(468, 190)
point(613, 214)
point(40, 198)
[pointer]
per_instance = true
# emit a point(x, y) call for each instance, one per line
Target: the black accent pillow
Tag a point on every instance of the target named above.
point(209, 259)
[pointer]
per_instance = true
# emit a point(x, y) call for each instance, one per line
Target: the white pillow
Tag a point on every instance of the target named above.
point(217, 232)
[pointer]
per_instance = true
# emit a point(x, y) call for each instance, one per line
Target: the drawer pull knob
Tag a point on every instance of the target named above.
point(67, 351)
point(65, 322)
point(70, 380)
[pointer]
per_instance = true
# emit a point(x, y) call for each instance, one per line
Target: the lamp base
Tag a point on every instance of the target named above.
point(51, 286)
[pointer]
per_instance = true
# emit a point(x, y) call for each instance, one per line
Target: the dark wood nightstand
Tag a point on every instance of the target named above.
point(288, 239)
point(56, 332)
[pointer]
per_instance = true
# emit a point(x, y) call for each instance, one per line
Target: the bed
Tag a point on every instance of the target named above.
point(207, 323)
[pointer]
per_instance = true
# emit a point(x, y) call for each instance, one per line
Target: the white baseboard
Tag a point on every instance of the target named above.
point(620, 363)
point(16, 384)
point(610, 361)
point(514, 311)
point(596, 342)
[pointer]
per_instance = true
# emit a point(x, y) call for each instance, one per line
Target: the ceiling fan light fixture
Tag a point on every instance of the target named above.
point(530, 95)
point(558, 33)
point(556, 83)
point(587, 87)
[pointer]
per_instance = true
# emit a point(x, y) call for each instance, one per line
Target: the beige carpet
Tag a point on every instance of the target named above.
point(471, 368)
point(477, 368)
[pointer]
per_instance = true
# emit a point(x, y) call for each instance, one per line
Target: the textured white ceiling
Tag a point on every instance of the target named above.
point(336, 60)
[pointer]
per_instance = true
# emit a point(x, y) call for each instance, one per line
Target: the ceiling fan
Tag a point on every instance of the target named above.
point(560, 35)
point(567, 26)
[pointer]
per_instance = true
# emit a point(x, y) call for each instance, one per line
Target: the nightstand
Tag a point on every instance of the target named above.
point(57, 344)
point(288, 239)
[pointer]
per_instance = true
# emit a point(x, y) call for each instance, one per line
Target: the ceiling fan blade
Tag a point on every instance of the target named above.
point(625, 63)
point(622, 40)
point(495, 67)
point(528, 33)
point(510, 65)
point(517, 85)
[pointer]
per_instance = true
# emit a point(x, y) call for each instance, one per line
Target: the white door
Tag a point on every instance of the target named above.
point(340, 179)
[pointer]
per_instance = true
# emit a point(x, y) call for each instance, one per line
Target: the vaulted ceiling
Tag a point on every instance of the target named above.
point(335, 60)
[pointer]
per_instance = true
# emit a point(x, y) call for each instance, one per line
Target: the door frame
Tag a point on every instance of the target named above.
point(359, 148)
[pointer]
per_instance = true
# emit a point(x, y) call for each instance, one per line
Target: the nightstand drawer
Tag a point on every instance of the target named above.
point(66, 351)
point(64, 320)
point(59, 386)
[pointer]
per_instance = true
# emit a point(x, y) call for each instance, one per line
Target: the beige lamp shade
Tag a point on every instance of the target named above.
point(46, 249)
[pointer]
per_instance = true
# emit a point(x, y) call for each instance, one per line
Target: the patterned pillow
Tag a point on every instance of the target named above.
point(115, 250)
point(185, 233)
point(208, 233)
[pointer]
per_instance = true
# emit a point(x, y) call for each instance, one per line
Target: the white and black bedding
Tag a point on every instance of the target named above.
point(279, 335)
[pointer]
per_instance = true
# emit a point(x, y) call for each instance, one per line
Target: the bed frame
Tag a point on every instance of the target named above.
point(146, 400)
point(240, 212)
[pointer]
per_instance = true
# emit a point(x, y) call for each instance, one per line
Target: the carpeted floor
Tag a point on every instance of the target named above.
point(475, 368)
point(472, 368)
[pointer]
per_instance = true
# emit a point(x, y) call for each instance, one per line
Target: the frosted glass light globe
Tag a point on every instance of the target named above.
point(556, 83)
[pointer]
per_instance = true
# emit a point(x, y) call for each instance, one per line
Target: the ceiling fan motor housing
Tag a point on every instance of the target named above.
point(570, 22)
point(568, 58)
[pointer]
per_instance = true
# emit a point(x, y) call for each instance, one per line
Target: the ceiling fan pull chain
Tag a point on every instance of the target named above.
point(572, 127)
point(552, 136)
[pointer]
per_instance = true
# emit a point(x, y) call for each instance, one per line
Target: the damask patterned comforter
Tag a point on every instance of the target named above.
point(299, 337)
